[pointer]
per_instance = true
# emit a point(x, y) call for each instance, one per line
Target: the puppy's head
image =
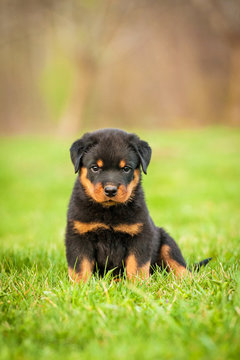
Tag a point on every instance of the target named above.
point(108, 162)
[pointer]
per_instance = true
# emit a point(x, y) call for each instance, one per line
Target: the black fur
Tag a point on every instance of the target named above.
point(107, 248)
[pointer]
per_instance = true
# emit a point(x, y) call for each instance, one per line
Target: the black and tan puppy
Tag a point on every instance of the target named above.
point(108, 223)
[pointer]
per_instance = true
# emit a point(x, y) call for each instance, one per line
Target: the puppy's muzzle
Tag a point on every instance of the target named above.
point(110, 190)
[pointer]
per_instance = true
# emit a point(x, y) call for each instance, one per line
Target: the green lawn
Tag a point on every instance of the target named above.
point(192, 189)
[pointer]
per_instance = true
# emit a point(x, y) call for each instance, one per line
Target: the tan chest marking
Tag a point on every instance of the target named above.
point(83, 228)
point(171, 264)
point(131, 229)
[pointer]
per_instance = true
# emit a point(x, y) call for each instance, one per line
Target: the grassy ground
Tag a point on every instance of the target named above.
point(192, 189)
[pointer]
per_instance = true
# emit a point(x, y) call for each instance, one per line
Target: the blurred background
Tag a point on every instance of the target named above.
point(168, 70)
point(70, 65)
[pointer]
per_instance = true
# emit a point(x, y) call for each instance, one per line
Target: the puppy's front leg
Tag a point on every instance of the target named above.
point(134, 270)
point(82, 272)
point(138, 260)
point(80, 256)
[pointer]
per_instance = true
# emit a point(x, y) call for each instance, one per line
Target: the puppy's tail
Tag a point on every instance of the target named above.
point(197, 266)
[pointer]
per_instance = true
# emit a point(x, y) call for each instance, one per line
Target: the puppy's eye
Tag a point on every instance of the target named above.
point(126, 169)
point(95, 168)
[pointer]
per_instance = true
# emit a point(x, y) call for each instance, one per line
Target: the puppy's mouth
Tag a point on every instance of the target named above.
point(109, 202)
point(110, 194)
point(117, 198)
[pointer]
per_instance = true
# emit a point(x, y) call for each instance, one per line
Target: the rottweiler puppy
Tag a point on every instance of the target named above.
point(108, 223)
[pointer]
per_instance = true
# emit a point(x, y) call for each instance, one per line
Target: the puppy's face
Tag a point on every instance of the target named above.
point(109, 179)
point(109, 164)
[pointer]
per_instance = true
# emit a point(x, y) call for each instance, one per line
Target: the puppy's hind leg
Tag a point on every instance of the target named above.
point(170, 255)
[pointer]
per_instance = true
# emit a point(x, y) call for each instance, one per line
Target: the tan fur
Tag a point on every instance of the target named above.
point(134, 182)
point(124, 193)
point(131, 229)
point(85, 272)
point(96, 192)
point(122, 163)
point(83, 228)
point(100, 163)
point(171, 264)
point(144, 271)
point(134, 272)
point(131, 266)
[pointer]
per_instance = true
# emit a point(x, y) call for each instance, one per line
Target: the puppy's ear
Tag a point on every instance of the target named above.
point(78, 148)
point(143, 150)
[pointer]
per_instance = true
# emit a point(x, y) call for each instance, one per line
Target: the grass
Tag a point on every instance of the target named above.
point(192, 189)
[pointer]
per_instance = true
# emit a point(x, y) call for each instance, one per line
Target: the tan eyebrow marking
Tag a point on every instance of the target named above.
point(122, 163)
point(83, 228)
point(131, 229)
point(100, 163)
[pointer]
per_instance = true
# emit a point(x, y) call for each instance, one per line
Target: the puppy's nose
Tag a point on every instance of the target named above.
point(110, 190)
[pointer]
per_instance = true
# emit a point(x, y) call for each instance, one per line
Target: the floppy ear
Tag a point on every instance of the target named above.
point(77, 150)
point(144, 151)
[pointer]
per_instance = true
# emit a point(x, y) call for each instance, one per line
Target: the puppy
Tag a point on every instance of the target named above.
point(108, 223)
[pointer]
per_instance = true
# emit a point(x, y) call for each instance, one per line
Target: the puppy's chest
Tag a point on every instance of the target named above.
point(109, 237)
point(111, 249)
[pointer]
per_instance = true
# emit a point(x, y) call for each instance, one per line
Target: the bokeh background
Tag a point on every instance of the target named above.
point(70, 65)
point(168, 70)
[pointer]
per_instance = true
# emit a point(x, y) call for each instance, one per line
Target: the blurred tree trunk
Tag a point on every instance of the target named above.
point(224, 17)
point(233, 104)
point(72, 120)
